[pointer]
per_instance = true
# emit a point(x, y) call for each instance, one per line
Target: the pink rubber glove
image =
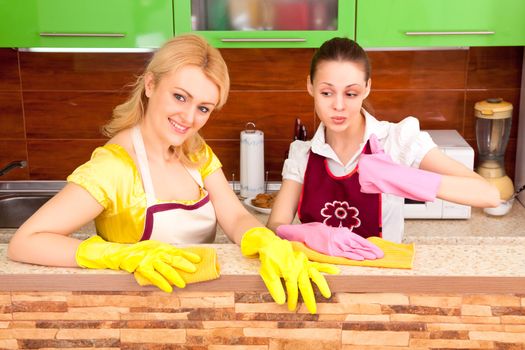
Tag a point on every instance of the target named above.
point(379, 174)
point(333, 241)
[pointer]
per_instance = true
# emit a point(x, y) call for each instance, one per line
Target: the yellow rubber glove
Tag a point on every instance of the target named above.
point(149, 260)
point(278, 259)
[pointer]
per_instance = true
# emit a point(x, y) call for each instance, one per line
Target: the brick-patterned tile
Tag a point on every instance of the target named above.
point(35, 333)
point(156, 346)
point(155, 315)
point(384, 326)
point(4, 324)
point(508, 346)
point(208, 302)
point(450, 344)
point(303, 334)
point(376, 338)
point(506, 337)
point(238, 347)
point(150, 301)
point(288, 316)
point(40, 296)
point(184, 293)
point(252, 297)
point(293, 344)
point(82, 348)
point(22, 324)
point(78, 324)
point(342, 308)
point(211, 314)
point(513, 319)
point(492, 300)
point(380, 347)
point(515, 311)
point(67, 343)
point(308, 324)
point(372, 298)
point(224, 336)
point(39, 306)
point(449, 335)
point(464, 326)
point(476, 319)
point(436, 301)
point(514, 328)
point(5, 307)
point(476, 310)
point(164, 336)
point(91, 334)
point(365, 318)
point(6, 333)
point(419, 310)
point(8, 344)
point(76, 315)
point(239, 324)
point(268, 308)
point(419, 335)
point(172, 324)
point(425, 318)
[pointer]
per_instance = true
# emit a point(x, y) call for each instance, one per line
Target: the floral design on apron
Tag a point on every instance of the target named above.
point(174, 223)
point(338, 201)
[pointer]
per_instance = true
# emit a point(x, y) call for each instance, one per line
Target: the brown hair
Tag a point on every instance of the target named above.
point(180, 51)
point(340, 49)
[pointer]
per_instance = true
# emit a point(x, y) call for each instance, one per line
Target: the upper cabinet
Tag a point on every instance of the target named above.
point(413, 23)
point(265, 23)
point(85, 23)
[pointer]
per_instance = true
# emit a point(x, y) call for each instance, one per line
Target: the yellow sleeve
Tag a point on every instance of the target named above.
point(103, 174)
point(211, 163)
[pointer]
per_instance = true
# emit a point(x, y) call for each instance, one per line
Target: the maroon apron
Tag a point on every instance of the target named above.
point(338, 201)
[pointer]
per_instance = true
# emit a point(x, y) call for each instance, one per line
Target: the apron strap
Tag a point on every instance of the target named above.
point(142, 159)
point(196, 175)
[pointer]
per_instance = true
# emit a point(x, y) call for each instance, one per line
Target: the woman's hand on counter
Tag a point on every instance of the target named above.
point(279, 260)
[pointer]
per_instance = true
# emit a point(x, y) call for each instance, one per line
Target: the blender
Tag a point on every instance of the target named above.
point(493, 123)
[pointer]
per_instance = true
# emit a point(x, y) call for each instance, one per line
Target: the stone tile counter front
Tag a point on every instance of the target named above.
point(465, 291)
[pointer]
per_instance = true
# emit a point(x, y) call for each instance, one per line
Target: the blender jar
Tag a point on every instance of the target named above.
point(493, 123)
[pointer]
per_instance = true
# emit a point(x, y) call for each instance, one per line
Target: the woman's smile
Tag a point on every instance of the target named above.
point(179, 128)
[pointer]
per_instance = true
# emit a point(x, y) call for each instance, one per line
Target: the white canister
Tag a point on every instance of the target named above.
point(252, 161)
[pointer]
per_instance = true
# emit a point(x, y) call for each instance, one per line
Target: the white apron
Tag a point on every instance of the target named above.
point(174, 223)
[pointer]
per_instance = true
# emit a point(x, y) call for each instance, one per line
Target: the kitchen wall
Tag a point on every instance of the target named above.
point(53, 104)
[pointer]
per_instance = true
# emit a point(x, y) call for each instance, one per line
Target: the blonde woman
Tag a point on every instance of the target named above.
point(156, 184)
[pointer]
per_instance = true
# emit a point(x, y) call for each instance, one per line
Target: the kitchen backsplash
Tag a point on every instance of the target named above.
point(53, 104)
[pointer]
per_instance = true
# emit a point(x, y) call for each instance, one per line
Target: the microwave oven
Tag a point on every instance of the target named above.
point(453, 145)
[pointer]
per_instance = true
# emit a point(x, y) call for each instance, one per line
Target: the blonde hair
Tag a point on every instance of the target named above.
point(178, 52)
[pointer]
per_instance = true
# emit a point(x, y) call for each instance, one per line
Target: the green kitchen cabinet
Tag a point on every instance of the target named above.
point(265, 24)
point(85, 23)
point(435, 23)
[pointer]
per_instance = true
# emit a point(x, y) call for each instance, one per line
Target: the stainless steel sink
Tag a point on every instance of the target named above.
point(17, 208)
point(20, 199)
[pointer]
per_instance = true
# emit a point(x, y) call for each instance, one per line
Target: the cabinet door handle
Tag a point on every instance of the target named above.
point(269, 40)
point(90, 35)
point(481, 32)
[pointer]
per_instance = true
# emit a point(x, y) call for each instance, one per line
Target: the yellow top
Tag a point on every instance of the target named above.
point(112, 178)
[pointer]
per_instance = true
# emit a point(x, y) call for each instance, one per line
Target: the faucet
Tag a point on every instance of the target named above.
point(13, 165)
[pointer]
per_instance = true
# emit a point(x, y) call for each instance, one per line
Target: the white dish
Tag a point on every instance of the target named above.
point(501, 209)
point(248, 203)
